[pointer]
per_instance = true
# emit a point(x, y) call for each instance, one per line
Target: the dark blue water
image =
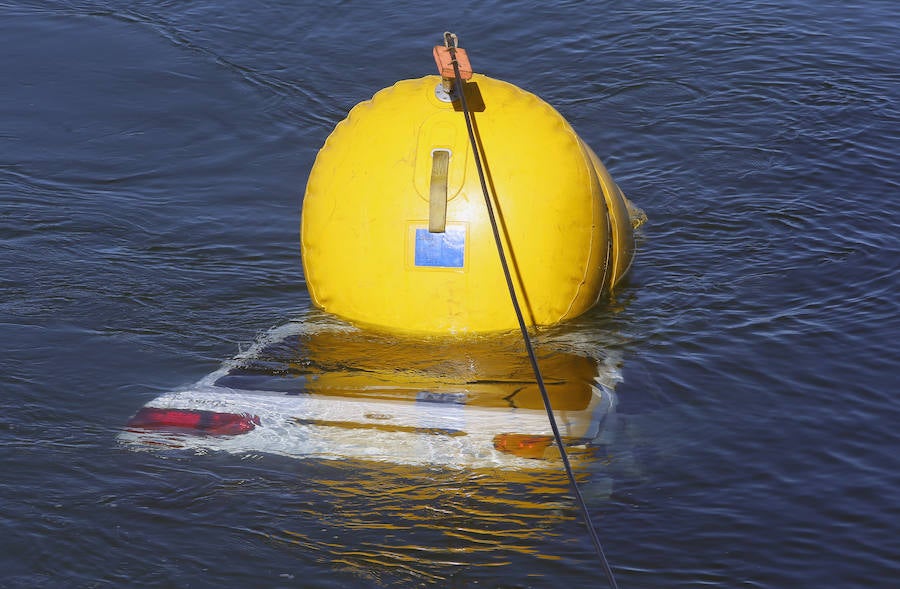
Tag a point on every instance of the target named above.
point(153, 157)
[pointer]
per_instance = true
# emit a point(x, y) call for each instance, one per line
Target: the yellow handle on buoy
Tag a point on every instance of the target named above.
point(437, 195)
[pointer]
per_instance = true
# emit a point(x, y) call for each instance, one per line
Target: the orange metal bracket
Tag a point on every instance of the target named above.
point(445, 62)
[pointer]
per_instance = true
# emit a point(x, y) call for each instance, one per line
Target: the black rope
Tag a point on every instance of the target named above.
point(450, 42)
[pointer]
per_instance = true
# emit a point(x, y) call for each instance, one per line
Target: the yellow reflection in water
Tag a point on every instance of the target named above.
point(492, 371)
point(390, 522)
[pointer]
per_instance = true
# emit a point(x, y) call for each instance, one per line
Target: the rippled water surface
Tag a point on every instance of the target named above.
point(153, 157)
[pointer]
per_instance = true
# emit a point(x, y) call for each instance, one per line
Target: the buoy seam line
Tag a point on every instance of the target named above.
point(448, 38)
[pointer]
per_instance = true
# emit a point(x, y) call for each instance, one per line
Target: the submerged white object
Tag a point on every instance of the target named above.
point(286, 396)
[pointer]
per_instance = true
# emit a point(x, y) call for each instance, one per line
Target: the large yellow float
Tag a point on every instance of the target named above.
point(395, 233)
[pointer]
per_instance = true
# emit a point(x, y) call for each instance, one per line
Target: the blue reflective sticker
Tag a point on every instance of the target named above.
point(441, 250)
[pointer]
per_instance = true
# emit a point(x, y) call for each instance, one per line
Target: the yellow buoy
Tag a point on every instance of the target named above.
point(395, 233)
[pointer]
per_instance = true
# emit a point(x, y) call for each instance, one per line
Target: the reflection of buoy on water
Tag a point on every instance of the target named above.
point(395, 232)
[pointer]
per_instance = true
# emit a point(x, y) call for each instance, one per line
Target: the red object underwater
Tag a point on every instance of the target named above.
point(193, 421)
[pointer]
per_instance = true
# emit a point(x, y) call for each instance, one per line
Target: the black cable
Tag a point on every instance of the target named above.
point(449, 41)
